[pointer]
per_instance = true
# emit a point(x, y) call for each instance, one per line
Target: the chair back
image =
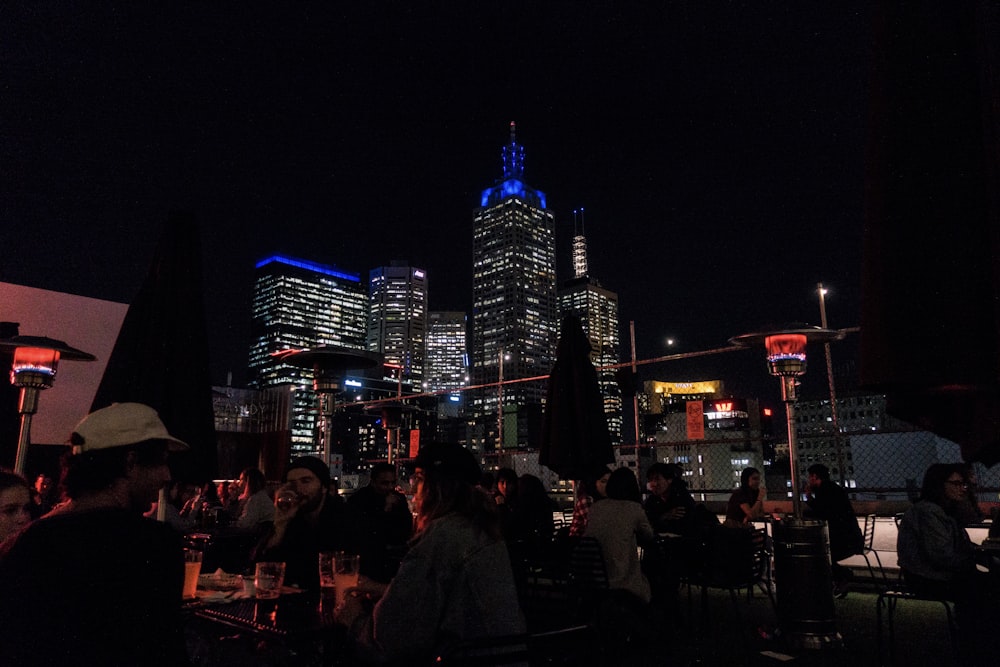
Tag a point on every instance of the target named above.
point(586, 565)
point(869, 532)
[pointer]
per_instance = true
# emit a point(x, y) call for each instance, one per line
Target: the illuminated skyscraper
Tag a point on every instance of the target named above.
point(446, 366)
point(300, 305)
point(397, 318)
point(514, 304)
point(597, 309)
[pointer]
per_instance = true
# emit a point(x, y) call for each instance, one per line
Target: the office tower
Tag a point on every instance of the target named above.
point(397, 318)
point(597, 309)
point(446, 365)
point(514, 305)
point(300, 305)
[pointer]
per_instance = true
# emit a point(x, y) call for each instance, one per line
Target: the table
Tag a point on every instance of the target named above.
point(295, 629)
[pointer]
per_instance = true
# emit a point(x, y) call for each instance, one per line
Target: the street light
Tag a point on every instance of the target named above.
point(36, 360)
point(833, 394)
point(501, 357)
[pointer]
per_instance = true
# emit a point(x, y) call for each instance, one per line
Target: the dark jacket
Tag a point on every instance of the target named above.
point(100, 587)
point(830, 503)
point(333, 530)
point(382, 535)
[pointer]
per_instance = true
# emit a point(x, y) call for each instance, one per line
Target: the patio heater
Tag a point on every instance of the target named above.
point(329, 364)
point(803, 578)
point(392, 415)
point(36, 360)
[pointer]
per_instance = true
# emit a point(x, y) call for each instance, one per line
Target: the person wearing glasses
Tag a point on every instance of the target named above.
point(935, 553)
point(937, 559)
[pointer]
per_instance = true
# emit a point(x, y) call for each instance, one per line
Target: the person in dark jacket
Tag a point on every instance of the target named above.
point(828, 501)
point(94, 582)
point(384, 523)
point(313, 521)
point(669, 506)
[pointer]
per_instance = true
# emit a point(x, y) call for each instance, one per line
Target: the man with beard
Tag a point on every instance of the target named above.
point(94, 582)
point(314, 521)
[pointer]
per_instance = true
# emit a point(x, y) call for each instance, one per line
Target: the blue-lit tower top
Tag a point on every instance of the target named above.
point(513, 172)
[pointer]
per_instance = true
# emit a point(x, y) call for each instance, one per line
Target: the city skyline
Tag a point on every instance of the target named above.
point(717, 150)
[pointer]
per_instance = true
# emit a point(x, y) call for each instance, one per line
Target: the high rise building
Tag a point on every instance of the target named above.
point(299, 305)
point(597, 309)
point(514, 319)
point(446, 365)
point(397, 318)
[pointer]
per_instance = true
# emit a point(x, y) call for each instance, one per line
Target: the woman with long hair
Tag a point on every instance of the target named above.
point(935, 553)
point(588, 492)
point(620, 525)
point(937, 559)
point(455, 582)
point(747, 502)
point(256, 508)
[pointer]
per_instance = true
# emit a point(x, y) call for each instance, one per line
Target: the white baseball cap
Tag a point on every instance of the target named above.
point(119, 425)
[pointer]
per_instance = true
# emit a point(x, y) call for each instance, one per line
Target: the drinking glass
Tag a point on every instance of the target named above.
point(269, 579)
point(345, 573)
point(327, 582)
point(192, 568)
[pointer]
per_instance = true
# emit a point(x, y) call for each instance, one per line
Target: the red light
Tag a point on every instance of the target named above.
point(786, 346)
point(767, 412)
point(37, 359)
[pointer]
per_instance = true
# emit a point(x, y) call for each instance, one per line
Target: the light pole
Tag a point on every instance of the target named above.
point(392, 415)
point(500, 359)
point(36, 360)
point(837, 441)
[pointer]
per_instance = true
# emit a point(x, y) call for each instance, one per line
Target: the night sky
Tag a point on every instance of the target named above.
point(717, 147)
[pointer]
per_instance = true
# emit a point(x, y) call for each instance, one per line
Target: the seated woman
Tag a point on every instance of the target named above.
point(747, 502)
point(256, 507)
point(588, 492)
point(937, 560)
point(936, 557)
point(620, 525)
point(15, 504)
point(454, 584)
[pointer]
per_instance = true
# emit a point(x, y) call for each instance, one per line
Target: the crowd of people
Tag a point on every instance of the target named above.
point(101, 582)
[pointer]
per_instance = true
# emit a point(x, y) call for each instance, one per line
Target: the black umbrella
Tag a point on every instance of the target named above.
point(575, 437)
point(161, 355)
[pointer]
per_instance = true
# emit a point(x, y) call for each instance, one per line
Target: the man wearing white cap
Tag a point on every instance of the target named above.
point(93, 582)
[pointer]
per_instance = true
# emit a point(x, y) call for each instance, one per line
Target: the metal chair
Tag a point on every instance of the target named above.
point(868, 548)
point(736, 559)
point(587, 571)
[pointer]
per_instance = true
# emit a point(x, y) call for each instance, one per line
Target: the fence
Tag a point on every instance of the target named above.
point(878, 465)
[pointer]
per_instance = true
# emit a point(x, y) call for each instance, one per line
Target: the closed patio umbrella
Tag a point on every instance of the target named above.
point(575, 436)
point(161, 355)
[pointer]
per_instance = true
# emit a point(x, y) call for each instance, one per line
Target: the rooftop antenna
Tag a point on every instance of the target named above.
point(580, 269)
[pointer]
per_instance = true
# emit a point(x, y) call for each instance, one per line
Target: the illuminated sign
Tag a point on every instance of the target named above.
point(352, 383)
point(418, 273)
